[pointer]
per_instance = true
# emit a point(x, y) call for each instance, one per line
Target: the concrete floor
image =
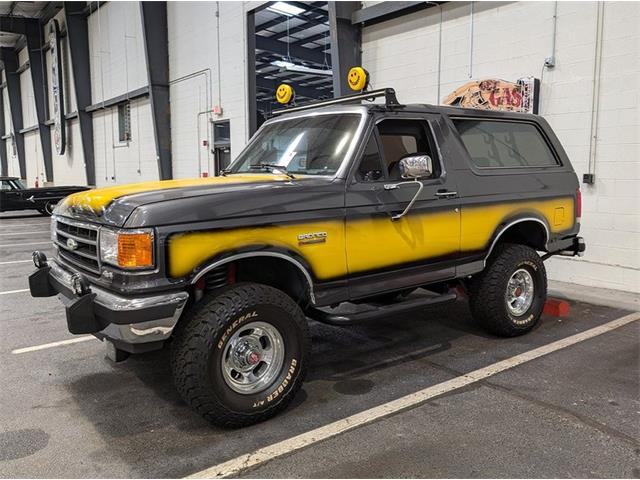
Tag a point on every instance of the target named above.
point(69, 412)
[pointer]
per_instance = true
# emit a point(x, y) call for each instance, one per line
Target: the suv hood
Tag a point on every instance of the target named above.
point(179, 201)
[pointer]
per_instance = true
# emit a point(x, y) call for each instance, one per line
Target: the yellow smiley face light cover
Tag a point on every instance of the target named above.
point(284, 93)
point(358, 78)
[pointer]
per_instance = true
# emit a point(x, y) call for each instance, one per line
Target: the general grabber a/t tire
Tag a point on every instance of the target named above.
point(508, 297)
point(240, 356)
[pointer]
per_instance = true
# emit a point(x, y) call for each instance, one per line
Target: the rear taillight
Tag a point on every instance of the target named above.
point(578, 204)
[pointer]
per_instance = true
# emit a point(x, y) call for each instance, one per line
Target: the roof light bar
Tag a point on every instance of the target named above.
point(388, 93)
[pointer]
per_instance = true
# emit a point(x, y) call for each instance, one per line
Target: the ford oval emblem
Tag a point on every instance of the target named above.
point(72, 244)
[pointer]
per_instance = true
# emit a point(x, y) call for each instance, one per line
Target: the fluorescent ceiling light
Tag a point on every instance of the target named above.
point(285, 8)
point(292, 67)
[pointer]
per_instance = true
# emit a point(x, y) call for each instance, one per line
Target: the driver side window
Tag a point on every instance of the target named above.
point(402, 137)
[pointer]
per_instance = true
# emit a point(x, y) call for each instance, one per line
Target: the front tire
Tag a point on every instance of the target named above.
point(240, 356)
point(508, 297)
point(48, 209)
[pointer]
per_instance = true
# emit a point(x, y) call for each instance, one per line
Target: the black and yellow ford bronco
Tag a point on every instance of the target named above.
point(391, 207)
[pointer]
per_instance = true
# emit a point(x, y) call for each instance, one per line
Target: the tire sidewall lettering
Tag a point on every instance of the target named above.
point(289, 374)
point(524, 321)
point(276, 392)
point(234, 325)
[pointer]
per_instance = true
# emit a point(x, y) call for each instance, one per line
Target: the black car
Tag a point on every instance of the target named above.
point(15, 196)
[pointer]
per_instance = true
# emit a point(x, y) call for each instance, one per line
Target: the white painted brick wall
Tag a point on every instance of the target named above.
point(68, 169)
point(511, 40)
point(118, 163)
point(34, 159)
point(29, 117)
point(193, 39)
point(116, 29)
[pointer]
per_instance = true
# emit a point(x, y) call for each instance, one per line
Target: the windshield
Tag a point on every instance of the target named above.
point(311, 145)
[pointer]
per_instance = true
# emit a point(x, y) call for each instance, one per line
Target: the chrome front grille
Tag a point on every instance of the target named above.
point(78, 244)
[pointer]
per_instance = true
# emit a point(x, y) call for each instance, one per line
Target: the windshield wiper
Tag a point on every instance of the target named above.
point(272, 167)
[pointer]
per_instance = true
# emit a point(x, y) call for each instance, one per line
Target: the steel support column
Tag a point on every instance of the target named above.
point(4, 160)
point(346, 44)
point(251, 74)
point(10, 59)
point(156, 48)
point(78, 43)
point(38, 79)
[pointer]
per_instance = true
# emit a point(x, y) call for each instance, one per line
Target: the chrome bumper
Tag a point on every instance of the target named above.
point(124, 320)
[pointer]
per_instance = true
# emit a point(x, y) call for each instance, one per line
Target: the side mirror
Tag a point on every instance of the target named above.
point(416, 166)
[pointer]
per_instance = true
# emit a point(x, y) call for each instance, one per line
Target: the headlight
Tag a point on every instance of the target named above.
point(127, 248)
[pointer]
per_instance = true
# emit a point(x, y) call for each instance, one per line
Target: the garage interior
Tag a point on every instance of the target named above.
point(159, 91)
point(301, 56)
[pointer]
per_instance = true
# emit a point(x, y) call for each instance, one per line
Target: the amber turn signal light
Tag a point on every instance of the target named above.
point(135, 250)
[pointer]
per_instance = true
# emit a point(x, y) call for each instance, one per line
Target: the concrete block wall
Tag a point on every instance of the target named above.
point(124, 162)
point(116, 45)
point(118, 65)
point(196, 30)
point(511, 40)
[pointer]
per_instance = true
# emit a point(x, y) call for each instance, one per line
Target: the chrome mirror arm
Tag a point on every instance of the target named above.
point(394, 186)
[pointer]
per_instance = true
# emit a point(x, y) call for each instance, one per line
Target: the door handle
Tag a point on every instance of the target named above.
point(445, 194)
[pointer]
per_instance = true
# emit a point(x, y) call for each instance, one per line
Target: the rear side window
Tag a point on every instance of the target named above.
point(498, 144)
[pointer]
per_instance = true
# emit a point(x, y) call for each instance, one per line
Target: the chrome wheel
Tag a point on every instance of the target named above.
point(520, 292)
point(49, 207)
point(253, 357)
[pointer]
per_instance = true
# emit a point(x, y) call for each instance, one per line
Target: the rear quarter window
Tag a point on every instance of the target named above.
point(503, 144)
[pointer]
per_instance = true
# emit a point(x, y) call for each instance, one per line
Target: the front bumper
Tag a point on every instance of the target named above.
point(133, 324)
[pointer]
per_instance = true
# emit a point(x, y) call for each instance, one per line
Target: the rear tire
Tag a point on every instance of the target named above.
point(240, 356)
point(508, 296)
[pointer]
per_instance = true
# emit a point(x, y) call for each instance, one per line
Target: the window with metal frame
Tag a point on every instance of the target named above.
point(124, 122)
point(504, 144)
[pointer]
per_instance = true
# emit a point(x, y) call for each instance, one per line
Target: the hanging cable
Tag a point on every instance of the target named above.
point(471, 42)
point(595, 100)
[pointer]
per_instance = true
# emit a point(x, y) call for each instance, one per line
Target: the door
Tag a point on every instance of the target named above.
point(11, 196)
point(384, 254)
point(221, 145)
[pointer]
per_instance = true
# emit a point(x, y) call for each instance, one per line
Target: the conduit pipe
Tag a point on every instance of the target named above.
point(595, 99)
point(208, 142)
point(471, 42)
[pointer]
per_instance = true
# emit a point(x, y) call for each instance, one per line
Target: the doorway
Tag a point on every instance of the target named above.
point(221, 145)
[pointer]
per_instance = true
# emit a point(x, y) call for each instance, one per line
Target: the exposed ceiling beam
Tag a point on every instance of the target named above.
point(312, 38)
point(383, 11)
point(301, 28)
point(11, 24)
point(315, 18)
point(280, 48)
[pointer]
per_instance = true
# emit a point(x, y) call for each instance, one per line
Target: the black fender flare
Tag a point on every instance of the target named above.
point(289, 256)
point(507, 224)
